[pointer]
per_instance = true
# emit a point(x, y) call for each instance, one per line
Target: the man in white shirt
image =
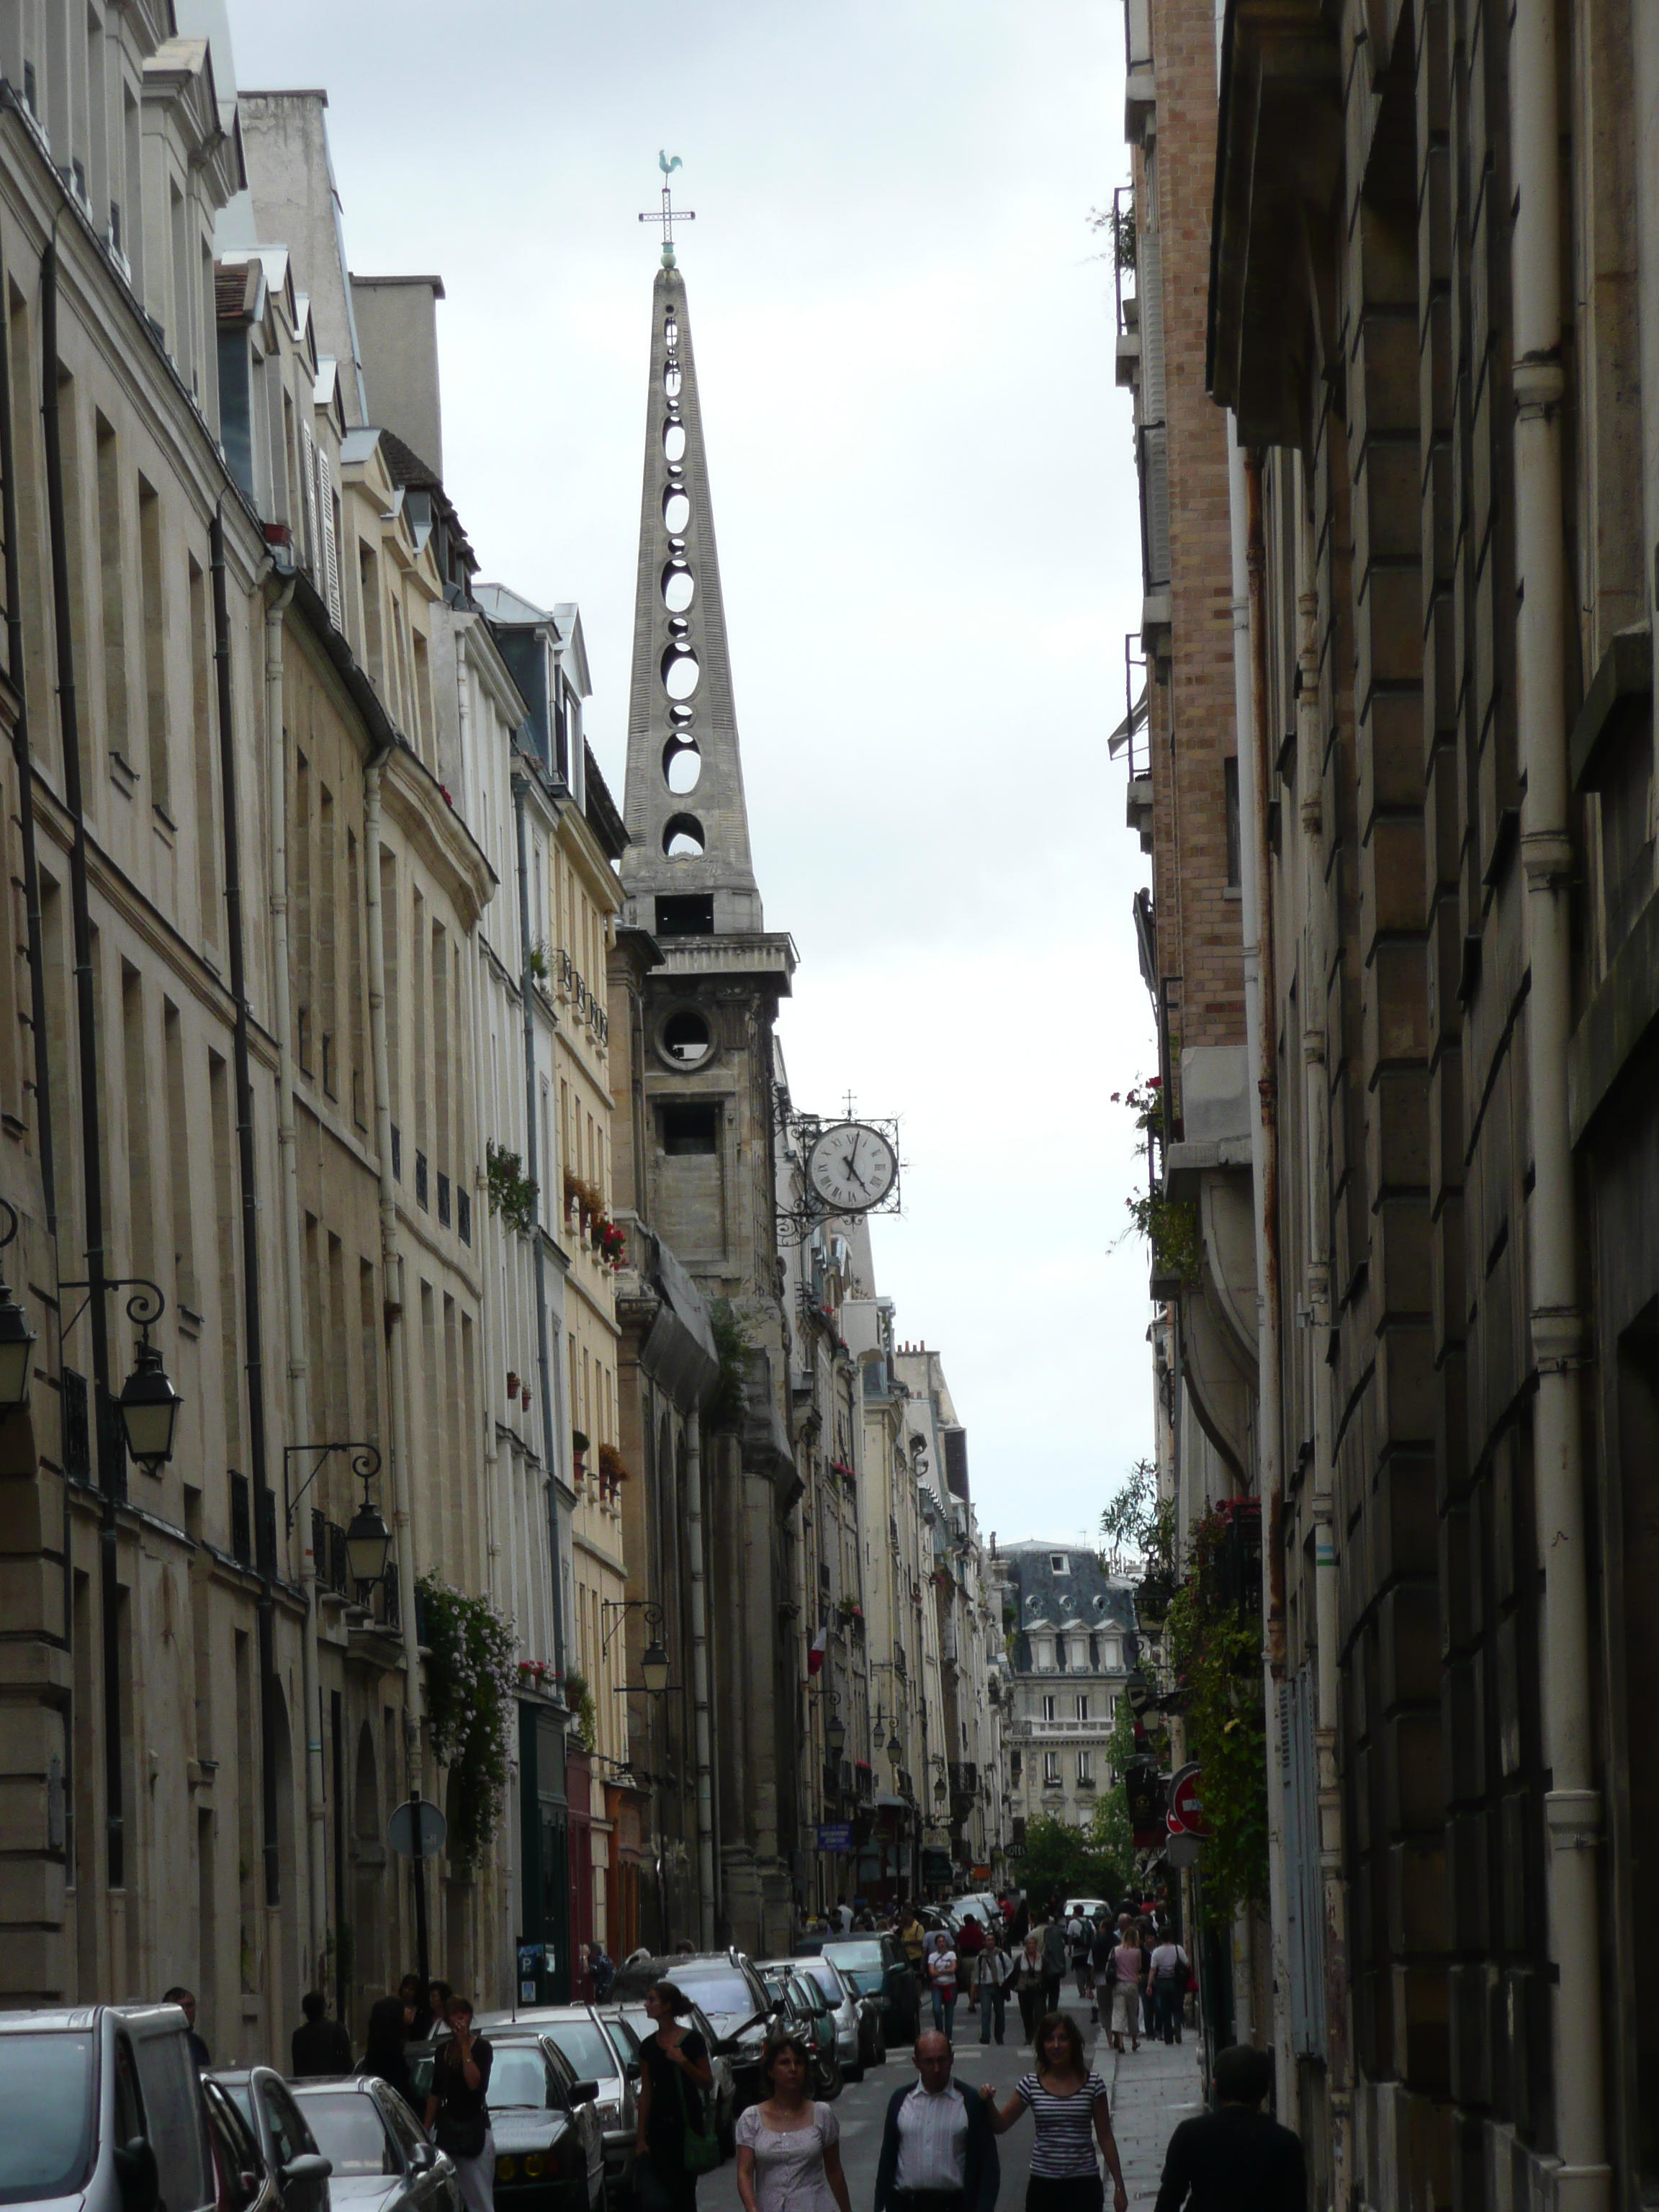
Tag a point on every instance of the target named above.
point(939, 2152)
point(1168, 1989)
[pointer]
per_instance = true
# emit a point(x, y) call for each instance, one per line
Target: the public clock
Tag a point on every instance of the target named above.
point(851, 1166)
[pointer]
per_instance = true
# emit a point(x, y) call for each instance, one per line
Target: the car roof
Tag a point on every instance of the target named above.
point(362, 2082)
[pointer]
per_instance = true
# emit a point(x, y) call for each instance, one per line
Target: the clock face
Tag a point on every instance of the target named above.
point(851, 1167)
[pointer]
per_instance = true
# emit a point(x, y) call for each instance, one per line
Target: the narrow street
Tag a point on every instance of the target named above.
point(1152, 2090)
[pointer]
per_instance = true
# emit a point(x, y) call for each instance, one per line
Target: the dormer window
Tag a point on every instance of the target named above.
point(1042, 1654)
point(1060, 1563)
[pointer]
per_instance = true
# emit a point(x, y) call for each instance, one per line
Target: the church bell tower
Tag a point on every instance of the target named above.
point(708, 1078)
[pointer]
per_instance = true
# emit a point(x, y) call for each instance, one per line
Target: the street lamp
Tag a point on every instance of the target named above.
point(17, 1339)
point(368, 1543)
point(654, 1667)
point(835, 1734)
point(941, 1789)
point(149, 1409)
point(895, 1749)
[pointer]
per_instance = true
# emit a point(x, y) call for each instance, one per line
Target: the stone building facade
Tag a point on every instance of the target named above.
point(1433, 323)
point(1071, 1627)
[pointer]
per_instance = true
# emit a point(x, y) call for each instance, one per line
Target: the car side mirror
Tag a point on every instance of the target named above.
point(310, 2166)
point(583, 2093)
point(422, 2158)
point(138, 2176)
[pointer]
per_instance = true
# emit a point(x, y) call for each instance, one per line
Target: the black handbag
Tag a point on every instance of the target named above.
point(459, 2138)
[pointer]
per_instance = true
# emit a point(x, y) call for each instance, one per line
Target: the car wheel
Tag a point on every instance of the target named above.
point(830, 2068)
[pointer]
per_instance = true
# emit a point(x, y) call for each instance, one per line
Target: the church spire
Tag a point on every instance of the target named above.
point(687, 870)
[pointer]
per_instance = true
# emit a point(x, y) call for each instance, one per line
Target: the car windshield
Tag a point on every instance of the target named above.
point(585, 2047)
point(47, 2102)
point(348, 2130)
point(518, 2076)
point(718, 1989)
point(859, 1957)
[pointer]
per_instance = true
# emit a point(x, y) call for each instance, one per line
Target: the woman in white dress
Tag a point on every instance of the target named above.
point(788, 2146)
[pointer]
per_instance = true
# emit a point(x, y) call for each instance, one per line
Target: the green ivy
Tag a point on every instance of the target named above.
point(512, 1193)
point(1170, 1226)
point(578, 1699)
point(732, 1347)
point(471, 1704)
point(1215, 1653)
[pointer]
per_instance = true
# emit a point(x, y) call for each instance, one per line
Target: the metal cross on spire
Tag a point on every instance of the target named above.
point(668, 214)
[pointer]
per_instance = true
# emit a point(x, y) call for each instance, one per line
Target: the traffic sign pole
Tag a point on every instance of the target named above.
point(422, 1962)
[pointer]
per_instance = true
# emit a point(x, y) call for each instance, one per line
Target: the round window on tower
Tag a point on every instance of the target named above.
point(684, 1040)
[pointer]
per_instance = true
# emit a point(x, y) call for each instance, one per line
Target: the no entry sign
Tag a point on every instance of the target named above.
point(1186, 1815)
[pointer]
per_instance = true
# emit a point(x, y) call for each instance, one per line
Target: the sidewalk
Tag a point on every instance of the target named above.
point(1152, 2090)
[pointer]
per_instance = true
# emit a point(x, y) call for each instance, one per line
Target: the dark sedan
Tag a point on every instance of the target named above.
point(550, 2147)
point(876, 1965)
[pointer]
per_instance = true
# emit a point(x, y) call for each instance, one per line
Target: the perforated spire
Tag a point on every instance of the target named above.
point(683, 797)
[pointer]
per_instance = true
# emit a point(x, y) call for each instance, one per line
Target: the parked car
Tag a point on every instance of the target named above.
point(858, 2019)
point(730, 1994)
point(247, 2180)
point(801, 2003)
point(632, 2020)
point(104, 2103)
point(877, 1965)
point(843, 2002)
point(381, 2160)
point(550, 2148)
point(286, 2142)
point(594, 2050)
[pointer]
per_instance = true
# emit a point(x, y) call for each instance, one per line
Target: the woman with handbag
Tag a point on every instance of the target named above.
point(675, 2130)
point(457, 2109)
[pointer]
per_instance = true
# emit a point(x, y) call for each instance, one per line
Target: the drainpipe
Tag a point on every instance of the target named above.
point(1270, 1472)
point(1315, 1060)
point(699, 1682)
point(544, 1359)
point(299, 1366)
point(21, 752)
point(391, 1277)
point(108, 1456)
point(1572, 1805)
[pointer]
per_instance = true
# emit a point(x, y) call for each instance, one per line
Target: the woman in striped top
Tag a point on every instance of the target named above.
point(1069, 2111)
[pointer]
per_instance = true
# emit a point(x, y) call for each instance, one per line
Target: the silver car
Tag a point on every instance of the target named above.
point(381, 2160)
point(633, 2020)
point(286, 2142)
point(598, 2052)
point(103, 2104)
point(843, 2008)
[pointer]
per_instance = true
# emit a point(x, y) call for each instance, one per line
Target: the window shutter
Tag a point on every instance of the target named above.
point(309, 470)
point(329, 566)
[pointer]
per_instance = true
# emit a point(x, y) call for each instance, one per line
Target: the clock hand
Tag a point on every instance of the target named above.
point(853, 1171)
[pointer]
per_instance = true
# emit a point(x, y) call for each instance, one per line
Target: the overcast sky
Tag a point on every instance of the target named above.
point(924, 493)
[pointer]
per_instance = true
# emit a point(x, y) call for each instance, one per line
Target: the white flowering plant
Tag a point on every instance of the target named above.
point(472, 1688)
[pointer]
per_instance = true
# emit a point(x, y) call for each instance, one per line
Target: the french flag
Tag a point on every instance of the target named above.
point(815, 1656)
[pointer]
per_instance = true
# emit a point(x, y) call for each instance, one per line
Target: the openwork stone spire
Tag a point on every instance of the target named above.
point(687, 872)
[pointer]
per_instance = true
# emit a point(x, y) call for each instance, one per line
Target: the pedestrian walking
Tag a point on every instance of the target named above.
point(1169, 1968)
point(1028, 1987)
point(186, 2001)
point(939, 2150)
point(458, 2106)
point(1234, 2158)
point(675, 2077)
point(320, 2045)
point(971, 1941)
point(788, 2146)
point(994, 1978)
point(1102, 1943)
point(1070, 2111)
point(1079, 1935)
point(911, 1936)
point(603, 1968)
point(386, 2046)
point(1054, 1954)
point(942, 1982)
point(1128, 1965)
